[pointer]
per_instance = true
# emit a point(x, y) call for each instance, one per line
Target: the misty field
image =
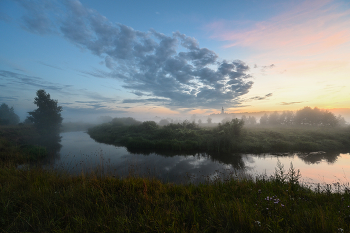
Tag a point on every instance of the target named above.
point(227, 137)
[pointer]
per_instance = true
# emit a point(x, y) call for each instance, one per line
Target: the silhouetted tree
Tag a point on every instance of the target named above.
point(264, 119)
point(8, 115)
point(315, 117)
point(209, 120)
point(47, 117)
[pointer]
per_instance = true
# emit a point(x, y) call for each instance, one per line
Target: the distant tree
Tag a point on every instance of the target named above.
point(209, 120)
point(233, 127)
point(315, 117)
point(287, 118)
point(199, 121)
point(341, 121)
point(264, 119)
point(125, 121)
point(8, 115)
point(163, 122)
point(244, 118)
point(149, 125)
point(104, 119)
point(47, 117)
point(226, 119)
point(329, 119)
point(274, 119)
point(251, 120)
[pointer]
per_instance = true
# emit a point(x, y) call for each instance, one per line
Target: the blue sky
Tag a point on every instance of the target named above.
point(148, 58)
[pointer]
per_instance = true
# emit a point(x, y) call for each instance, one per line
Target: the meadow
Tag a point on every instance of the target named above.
point(228, 137)
point(37, 200)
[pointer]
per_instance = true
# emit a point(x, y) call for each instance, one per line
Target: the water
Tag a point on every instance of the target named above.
point(79, 153)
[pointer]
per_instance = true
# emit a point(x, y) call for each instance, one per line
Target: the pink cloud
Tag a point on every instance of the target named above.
point(313, 27)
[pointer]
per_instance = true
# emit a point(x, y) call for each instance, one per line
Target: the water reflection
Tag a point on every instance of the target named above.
point(80, 153)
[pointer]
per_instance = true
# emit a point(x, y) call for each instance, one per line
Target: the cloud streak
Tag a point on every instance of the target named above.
point(174, 68)
point(290, 103)
point(261, 97)
point(311, 27)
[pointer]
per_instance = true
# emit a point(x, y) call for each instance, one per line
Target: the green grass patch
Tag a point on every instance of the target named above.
point(223, 138)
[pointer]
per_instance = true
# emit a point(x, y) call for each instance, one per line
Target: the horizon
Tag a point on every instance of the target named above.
point(175, 59)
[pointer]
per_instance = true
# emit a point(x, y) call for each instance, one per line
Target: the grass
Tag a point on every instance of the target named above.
point(223, 138)
point(37, 200)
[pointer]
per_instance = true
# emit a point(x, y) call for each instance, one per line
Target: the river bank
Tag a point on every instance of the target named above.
point(229, 137)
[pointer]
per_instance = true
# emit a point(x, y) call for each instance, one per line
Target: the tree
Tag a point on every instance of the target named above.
point(47, 117)
point(209, 120)
point(8, 115)
point(264, 119)
point(164, 122)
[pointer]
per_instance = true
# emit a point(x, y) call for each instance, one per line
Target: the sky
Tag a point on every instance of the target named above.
point(174, 58)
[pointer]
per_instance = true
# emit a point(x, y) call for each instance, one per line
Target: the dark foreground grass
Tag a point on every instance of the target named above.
point(35, 200)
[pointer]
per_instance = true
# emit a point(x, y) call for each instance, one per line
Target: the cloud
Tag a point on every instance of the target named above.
point(264, 68)
point(310, 27)
point(36, 19)
point(45, 64)
point(22, 80)
point(261, 97)
point(290, 103)
point(174, 68)
point(5, 99)
point(150, 100)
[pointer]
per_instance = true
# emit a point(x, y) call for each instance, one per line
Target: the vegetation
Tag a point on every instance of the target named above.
point(8, 115)
point(18, 145)
point(35, 200)
point(47, 117)
point(303, 117)
point(227, 137)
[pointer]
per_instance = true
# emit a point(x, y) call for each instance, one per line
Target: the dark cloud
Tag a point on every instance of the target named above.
point(138, 93)
point(289, 103)
point(36, 19)
point(20, 80)
point(150, 100)
point(25, 80)
point(261, 97)
point(45, 64)
point(173, 68)
point(5, 99)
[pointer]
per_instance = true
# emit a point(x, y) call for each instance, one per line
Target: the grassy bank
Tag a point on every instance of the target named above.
point(43, 201)
point(223, 138)
point(18, 145)
point(35, 200)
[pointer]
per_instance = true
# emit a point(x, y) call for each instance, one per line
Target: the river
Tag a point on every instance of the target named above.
point(80, 153)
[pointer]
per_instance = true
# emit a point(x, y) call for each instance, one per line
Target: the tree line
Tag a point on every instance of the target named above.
point(304, 117)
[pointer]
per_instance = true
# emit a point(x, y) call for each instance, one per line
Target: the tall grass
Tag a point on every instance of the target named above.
point(36, 200)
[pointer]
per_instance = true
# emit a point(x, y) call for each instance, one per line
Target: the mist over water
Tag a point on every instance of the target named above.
point(80, 153)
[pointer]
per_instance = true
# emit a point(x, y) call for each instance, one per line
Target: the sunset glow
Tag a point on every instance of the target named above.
point(147, 60)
